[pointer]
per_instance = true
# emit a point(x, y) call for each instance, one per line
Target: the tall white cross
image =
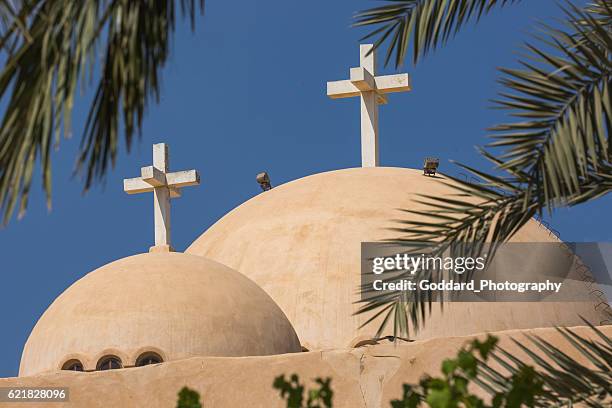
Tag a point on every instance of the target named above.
point(372, 91)
point(164, 186)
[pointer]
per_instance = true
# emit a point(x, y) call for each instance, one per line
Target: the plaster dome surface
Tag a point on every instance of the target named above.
point(301, 243)
point(176, 305)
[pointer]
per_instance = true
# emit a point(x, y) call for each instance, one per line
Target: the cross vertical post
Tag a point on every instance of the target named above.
point(372, 91)
point(161, 198)
point(165, 186)
point(369, 112)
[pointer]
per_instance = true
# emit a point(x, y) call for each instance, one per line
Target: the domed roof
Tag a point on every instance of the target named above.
point(301, 243)
point(171, 304)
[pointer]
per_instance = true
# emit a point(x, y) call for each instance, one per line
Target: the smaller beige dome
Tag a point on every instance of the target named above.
point(170, 305)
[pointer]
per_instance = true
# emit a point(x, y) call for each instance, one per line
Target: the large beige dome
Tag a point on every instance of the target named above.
point(171, 304)
point(301, 243)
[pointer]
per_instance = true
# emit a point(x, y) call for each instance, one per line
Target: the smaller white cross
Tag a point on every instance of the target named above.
point(372, 91)
point(164, 186)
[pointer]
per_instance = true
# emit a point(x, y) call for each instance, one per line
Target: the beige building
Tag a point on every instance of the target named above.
point(269, 289)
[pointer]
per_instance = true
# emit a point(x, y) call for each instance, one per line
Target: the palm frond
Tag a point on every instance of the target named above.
point(556, 153)
point(540, 374)
point(51, 48)
point(566, 380)
point(428, 23)
point(564, 104)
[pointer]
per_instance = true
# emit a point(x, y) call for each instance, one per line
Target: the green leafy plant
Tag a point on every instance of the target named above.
point(53, 47)
point(451, 390)
point(188, 398)
point(293, 392)
point(553, 379)
point(556, 151)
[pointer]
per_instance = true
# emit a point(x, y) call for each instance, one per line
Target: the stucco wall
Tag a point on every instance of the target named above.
point(364, 377)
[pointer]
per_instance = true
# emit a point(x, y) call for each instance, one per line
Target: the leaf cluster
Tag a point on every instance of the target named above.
point(188, 398)
point(451, 390)
point(293, 392)
point(426, 24)
point(54, 48)
point(565, 380)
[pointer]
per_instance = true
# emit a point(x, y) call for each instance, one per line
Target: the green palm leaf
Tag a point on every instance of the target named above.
point(566, 380)
point(556, 152)
point(428, 23)
point(54, 46)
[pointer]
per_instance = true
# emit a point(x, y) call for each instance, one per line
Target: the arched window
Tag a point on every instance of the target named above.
point(109, 363)
point(73, 365)
point(148, 358)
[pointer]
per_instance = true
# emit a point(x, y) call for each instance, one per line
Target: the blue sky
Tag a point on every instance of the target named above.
point(245, 93)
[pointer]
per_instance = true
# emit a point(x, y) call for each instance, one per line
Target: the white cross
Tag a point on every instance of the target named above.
point(164, 186)
point(372, 91)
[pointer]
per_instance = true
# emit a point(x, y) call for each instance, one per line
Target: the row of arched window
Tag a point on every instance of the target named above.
point(113, 362)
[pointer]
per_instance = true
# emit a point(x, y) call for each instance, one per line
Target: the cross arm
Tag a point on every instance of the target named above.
point(136, 186)
point(393, 83)
point(384, 84)
point(150, 178)
point(342, 89)
point(181, 179)
point(347, 89)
